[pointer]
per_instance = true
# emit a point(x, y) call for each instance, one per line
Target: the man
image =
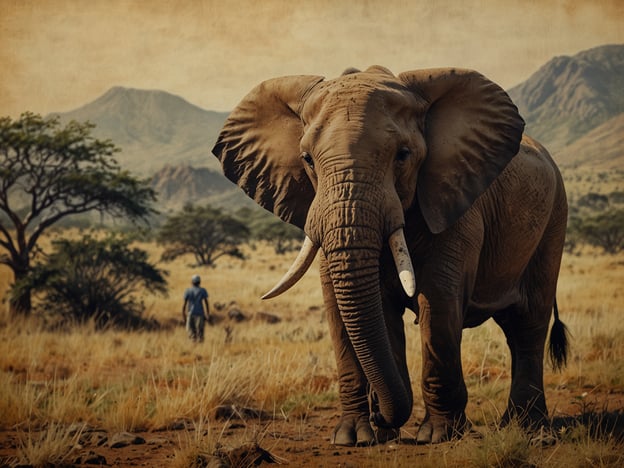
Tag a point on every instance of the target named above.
point(193, 309)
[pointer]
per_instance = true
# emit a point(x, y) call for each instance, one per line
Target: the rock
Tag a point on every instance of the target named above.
point(90, 458)
point(234, 412)
point(178, 425)
point(247, 455)
point(123, 439)
point(268, 318)
point(235, 314)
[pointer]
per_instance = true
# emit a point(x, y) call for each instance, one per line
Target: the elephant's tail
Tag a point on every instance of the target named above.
point(558, 346)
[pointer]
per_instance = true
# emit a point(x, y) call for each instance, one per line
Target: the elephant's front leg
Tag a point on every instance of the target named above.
point(354, 427)
point(443, 388)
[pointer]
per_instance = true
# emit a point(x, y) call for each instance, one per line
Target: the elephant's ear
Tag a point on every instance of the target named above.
point(259, 147)
point(472, 130)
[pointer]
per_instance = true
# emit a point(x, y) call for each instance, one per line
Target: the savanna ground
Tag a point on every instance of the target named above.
point(257, 391)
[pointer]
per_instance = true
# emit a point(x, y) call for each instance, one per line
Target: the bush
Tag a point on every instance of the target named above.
point(93, 279)
point(594, 201)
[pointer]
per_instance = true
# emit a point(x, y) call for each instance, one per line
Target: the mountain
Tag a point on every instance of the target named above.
point(601, 148)
point(181, 184)
point(573, 105)
point(152, 128)
point(571, 96)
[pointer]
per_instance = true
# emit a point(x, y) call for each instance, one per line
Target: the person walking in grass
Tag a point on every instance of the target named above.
point(193, 310)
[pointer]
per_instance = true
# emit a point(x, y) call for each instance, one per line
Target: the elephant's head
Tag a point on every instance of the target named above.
point(344, 159)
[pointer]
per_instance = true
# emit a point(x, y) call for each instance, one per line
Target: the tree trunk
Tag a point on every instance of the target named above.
point(20, 304)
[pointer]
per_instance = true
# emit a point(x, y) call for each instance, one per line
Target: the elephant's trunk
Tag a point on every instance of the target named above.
point(350, 225)
point(353, 254)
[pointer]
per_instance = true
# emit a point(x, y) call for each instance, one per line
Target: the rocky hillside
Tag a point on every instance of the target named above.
point(178, 185)
point(152, 128)
point(576, 98)
point(602, 148)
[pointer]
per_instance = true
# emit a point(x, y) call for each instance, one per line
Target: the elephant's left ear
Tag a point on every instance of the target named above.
point(259, 147)
point(472, 130)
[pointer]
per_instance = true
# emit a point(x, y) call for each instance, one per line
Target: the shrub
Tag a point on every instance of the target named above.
point(93, 279)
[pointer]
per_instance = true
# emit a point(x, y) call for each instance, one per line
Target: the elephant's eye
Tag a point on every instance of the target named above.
point(307, 157)
point(403, 153)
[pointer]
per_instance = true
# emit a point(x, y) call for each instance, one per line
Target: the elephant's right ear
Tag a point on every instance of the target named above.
point(259, 147)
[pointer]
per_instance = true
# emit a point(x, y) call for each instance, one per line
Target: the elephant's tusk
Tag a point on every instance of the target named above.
point(297, 269)
point(403, 262)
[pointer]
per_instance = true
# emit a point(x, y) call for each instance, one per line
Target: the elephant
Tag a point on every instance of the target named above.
point(419, 192)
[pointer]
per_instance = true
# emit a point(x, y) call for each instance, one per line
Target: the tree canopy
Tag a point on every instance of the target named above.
point(204, 232)
point(49, 172)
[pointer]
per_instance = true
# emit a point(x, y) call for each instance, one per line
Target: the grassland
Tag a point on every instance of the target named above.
point(160, 383)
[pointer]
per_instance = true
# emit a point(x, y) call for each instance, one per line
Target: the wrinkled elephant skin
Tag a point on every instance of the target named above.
point(420, 191)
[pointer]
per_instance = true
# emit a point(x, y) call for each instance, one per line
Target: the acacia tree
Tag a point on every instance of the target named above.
point(204, 232)
point(49, 172)
point(605, 230)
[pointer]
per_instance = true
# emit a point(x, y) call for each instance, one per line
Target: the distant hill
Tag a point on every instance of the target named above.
point(571, 96)
point(573, 105)
point(152, 128)
point(178, 185)
point(601, 148)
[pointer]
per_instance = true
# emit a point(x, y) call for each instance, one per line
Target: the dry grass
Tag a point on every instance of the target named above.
point(57, 446)
point(144, 381)
point(581, 181)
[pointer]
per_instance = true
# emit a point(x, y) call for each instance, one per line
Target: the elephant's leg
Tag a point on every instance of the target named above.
point(526, 326)
point(443, 388)
point(354, 427)
point(526, 340)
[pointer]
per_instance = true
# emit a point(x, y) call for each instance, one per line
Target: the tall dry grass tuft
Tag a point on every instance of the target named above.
point(196, 448)
point(510, 446)
point(57, 445)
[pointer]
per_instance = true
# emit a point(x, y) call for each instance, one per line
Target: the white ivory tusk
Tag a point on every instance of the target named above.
point(403, 262)
point(297, 269)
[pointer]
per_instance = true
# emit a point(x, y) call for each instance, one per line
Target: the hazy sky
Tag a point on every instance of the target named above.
point(56, 55)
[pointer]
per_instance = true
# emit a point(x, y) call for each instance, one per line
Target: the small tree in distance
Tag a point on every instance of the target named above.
point(604, 230)
point(49, 172)
point(204, 232)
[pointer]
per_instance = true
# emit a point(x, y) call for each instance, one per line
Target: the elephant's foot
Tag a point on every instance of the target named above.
point(536, 424)
point(437, 429)
point(533, 418)
point(356, 430)
point(353, 430)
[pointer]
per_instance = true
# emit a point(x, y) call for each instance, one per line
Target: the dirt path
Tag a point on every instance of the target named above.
point(296, 442)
